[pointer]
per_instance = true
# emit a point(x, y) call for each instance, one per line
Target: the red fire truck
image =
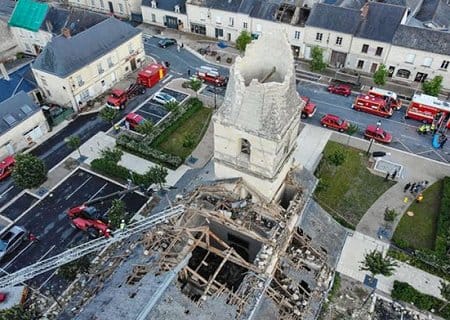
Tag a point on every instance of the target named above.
point(390, 97)
point(373, 105)
point(427, 109)
point(151, 75)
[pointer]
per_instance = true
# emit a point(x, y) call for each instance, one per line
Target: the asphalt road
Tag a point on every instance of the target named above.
point(47, 220)
point(405, 136)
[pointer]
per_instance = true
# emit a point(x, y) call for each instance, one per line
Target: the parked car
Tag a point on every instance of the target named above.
point(11, 239)
point(166, 42)
point(378, 134)
point(134, 120)
point(334, 122)
point(342, 89)
point(163, 98)
point(309, 109)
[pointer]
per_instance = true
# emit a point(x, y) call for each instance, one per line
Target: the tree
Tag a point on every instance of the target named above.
point(74, 142)
point(375, 263)
point(317, 63)
point(18, 312)
point(109, 114)
point(113, 155)
point(29, 171)
point(195, 85)
point(173, 106)
point(145, 128)
point(379, 77)
point(445, 293)
point(70, 270)
point(352, 129)
point(243, 40)
point(116, 213)
point(158, 175)
point(433, 87)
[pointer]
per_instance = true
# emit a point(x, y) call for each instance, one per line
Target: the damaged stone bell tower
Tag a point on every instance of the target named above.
point(256, 127)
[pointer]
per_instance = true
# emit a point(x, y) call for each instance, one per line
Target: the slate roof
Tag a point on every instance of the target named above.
point(381, 22)
point(63, 56)
point(28, 14)
point(334, 18)
point(422, 39)
point(168, 5)
point(265, 10)
point(77, 20)
point(15, 110)
point(21, 79)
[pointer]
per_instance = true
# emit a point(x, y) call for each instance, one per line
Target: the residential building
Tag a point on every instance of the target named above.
point(118, 8)
point(418, 54)
point(23, 124)
point(169, 13)
point(73, 70)
point(48, 21)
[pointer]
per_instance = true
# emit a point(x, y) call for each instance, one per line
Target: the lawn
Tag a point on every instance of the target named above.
point(419, 231)
point(348, 190)
point(184, 135)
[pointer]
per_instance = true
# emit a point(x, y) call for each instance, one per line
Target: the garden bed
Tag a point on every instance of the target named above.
point(349, 189)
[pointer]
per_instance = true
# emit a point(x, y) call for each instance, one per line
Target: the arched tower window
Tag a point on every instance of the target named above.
point(245, 147)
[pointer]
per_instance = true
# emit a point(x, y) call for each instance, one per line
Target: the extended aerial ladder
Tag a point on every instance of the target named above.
point(89, 247)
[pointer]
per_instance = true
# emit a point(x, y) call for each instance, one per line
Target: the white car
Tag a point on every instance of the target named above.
point(11, 239)
point(163, 98)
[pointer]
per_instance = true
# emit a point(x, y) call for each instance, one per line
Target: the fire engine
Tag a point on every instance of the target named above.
point(427, 109)
point(211, 75)
point(118, 97)
point(373, 105)
point(390, 97)
point(151, 75)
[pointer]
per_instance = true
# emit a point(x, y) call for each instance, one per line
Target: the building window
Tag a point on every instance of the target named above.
point(410, 58)
point(379, 51)
point(403, 73)
point(218, 20)
point(445, 64)
point(219, 33)
point(80, 81)
point(130, 48)
point(365, 48)
point(102, 4)
point(319, 36)
point(245, 147)
point(198, 29)
point(110, 62)
point(84, 95)
point(231, 21)
point(339, 41)
point(100, 68)
point(153, 17)
point(297, 35)
point(360, 64)
point(427, 62)
point(245, 24)
point(120, 7)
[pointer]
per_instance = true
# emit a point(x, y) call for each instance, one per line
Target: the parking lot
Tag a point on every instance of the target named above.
point(16, 208)
point(48, 221)
point(154, 111)
point(209, 91)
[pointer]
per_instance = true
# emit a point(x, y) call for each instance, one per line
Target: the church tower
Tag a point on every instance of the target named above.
point(256, 128)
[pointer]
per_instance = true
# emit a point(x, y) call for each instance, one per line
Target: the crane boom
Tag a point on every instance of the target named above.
point(88, 247)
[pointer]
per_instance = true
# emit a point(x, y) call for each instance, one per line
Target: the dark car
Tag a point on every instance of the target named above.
point(167, 42)
point(342, 89)
point(334, 122)
point(11, 239)
point(378, 134)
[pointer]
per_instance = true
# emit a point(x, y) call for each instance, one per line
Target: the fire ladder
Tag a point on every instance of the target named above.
point(88, 247)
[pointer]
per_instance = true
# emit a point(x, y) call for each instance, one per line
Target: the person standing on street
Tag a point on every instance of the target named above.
point(189, 73)
point(407, 186)
point(394, 174)
point(412, 187)
point(386, 178)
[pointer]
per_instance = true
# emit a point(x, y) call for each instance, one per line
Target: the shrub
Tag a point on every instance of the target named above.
point(29, 171)
point(443, 225)
point(337, 157)
point(390, 214)
point(113, 155)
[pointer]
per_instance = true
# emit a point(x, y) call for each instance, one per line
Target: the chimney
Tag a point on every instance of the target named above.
point(365, 10)
point(49, 25)
point(4, 72)
point(66, 32)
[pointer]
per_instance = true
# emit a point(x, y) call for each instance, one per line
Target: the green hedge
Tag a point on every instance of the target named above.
point(443, 227)
point(113, 170)
point(404, 292)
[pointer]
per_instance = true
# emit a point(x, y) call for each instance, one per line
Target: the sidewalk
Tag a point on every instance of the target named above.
point(357, 245)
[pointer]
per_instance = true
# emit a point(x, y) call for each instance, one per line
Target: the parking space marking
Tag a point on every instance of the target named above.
point(443, 159)
point(17, 255)
point(167, 79)
point(48, 279)
point(46, 253)
point(99, 190)
point(79, 187)
point(405, 146)
point(7, 190)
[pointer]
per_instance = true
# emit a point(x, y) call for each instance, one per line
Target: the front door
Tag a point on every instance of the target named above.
point(228, 36)
point(133, 64)
point(111, 8)
point(338, 59)
point(420, 77)
point(171, 22)
point(374, 67)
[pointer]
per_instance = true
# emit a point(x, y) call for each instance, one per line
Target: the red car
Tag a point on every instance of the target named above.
point(378, 134)
point(134, 120)
point(310, 108)
point(342, 89)
point(334, 122)
point(6, 166)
